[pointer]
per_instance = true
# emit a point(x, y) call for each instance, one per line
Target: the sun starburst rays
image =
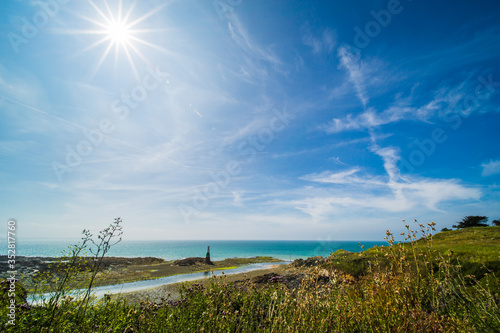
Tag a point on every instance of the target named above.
point(119, 33)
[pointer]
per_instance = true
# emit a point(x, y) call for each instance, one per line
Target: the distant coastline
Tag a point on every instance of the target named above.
point(220, 250)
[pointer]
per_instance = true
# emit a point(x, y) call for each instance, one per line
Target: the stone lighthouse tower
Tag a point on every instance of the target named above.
point(207, 257)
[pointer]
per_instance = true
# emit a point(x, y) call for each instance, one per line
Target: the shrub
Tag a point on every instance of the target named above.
point(472, 221)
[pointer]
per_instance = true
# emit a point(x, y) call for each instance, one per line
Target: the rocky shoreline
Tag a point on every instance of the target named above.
point(29, 266)
point(291, 275)
point(115, 270)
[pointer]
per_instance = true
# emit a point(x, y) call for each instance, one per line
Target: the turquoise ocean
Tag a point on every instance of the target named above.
point(219, 249)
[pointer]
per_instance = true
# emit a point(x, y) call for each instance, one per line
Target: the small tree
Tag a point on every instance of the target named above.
point(71, 271)
point(106, 239)
point(445, 229)
point(496, 223)
point(472, 221)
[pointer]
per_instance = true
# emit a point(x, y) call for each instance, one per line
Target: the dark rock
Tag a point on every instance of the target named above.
point(262, 279)
point(190, 261)
point(309, 262)
point(293, 281)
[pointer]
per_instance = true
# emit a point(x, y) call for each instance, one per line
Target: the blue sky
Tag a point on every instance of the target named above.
point(239, 119)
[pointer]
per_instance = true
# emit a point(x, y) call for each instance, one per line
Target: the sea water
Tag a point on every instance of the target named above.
point(219, 249)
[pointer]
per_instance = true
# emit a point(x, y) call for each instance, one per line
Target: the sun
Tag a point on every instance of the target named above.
point(119, 30)
point(118, 33)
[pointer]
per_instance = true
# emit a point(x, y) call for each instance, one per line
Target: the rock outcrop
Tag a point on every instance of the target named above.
point(190, 261)
point(309, 262)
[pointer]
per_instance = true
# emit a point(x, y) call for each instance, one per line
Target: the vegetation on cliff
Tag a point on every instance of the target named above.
point(420, 285)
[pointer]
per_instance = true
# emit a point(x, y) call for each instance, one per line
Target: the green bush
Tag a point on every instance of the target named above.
point(12, 289)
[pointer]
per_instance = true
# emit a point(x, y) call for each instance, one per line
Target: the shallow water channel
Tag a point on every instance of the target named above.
point(147, 284)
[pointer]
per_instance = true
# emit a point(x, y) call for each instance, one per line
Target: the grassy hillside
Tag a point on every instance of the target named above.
point(477, 250)
point(478, 244)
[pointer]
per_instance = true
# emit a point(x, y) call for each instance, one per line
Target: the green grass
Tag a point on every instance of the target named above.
point(418, 286)
point(253, 260)
point(478, 244)
point(217, 269)
point(476, 249)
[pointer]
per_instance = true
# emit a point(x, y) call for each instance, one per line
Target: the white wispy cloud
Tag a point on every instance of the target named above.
point(15, 147)
point(247, 130)
point(24, 101)
point(347, 177)
point(324, 42)
point(445, 100)
point(490, 168)
point(321, 207)
point(434, 191)
point(391, 193)
point(237, 198)
point(350, 62)
point(241, 36)
point(20, 85)
point(390, 156)
point(365, 120)
point(424, 194)
point(337, 160)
